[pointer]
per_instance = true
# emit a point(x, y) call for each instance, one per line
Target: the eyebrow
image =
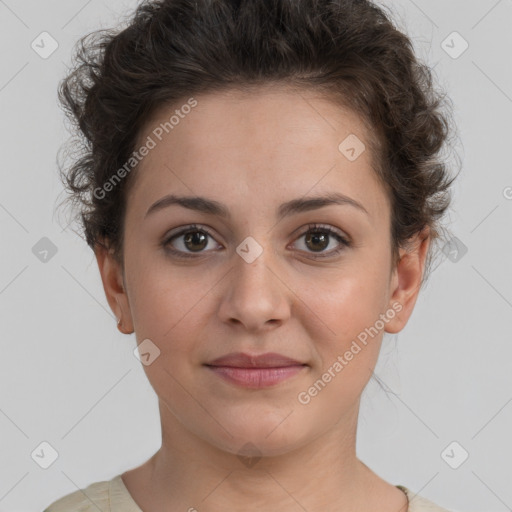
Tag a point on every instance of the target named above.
point(212, 207)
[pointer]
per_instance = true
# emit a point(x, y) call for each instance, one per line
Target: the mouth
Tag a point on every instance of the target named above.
point(258, 371)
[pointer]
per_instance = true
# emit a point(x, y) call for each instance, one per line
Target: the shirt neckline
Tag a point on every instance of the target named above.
point(120, 498)
point(122, 501)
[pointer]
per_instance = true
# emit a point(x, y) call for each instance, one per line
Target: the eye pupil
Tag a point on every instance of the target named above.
point(195, 238)
point(315, 237)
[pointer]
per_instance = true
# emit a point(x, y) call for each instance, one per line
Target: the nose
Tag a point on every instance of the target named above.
point(255, 295)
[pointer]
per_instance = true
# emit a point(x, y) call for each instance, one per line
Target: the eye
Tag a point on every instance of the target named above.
point(318, 238)
point(195, 239)
point(190, 240)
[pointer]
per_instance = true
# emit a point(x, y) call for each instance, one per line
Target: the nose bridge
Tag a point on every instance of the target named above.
point(255, 295)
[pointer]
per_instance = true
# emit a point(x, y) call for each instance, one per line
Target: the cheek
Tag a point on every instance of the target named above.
point(172, 307)
point(169, 309)
point(346, 304)
point(345, 360)
point(163, 295)
point(346, 329)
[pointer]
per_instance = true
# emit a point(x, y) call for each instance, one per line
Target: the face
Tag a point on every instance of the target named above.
point(243, 270)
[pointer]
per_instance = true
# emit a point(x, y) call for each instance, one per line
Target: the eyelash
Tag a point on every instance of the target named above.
point(344, 242)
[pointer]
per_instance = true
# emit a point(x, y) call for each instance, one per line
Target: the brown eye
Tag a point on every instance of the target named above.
point(317, 241)
point(195, 240)
point(192, 239)
point(318, 238)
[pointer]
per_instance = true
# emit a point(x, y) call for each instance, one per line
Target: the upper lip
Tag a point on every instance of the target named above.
point(242, 360)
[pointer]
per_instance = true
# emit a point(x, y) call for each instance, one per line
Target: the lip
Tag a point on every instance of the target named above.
point(242, 360)
point(257, 371)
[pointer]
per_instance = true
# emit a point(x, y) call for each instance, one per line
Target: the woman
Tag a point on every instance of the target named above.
point(261, 189)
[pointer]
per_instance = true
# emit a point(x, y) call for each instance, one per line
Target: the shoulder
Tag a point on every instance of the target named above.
point(93, 498)
point(418, 503)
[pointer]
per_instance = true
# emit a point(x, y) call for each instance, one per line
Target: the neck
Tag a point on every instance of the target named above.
point(190, 473)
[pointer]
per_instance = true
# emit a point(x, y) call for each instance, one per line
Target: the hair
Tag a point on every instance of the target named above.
point(348, 50)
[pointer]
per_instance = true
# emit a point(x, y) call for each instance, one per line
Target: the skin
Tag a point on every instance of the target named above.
point(253, 152)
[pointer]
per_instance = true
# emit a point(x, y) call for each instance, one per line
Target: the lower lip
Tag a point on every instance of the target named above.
point(256, 377)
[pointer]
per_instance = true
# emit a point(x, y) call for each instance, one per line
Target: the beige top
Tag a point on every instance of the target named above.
point(113, 496)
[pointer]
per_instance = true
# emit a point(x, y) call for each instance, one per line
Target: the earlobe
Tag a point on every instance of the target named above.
point(112, 279)
point(407, 279)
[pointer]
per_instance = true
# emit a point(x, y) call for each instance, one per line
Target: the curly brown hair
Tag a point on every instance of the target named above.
point(173, 49)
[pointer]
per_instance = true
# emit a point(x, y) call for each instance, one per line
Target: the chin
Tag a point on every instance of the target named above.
point(261, 438)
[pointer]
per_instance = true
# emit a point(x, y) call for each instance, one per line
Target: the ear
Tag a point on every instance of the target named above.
point(114, 286)
point(406, 280)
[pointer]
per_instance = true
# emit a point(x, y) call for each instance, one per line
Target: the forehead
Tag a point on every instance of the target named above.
point(272, 141)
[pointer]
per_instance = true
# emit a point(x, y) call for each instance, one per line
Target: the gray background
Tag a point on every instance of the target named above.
point(68, 377)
